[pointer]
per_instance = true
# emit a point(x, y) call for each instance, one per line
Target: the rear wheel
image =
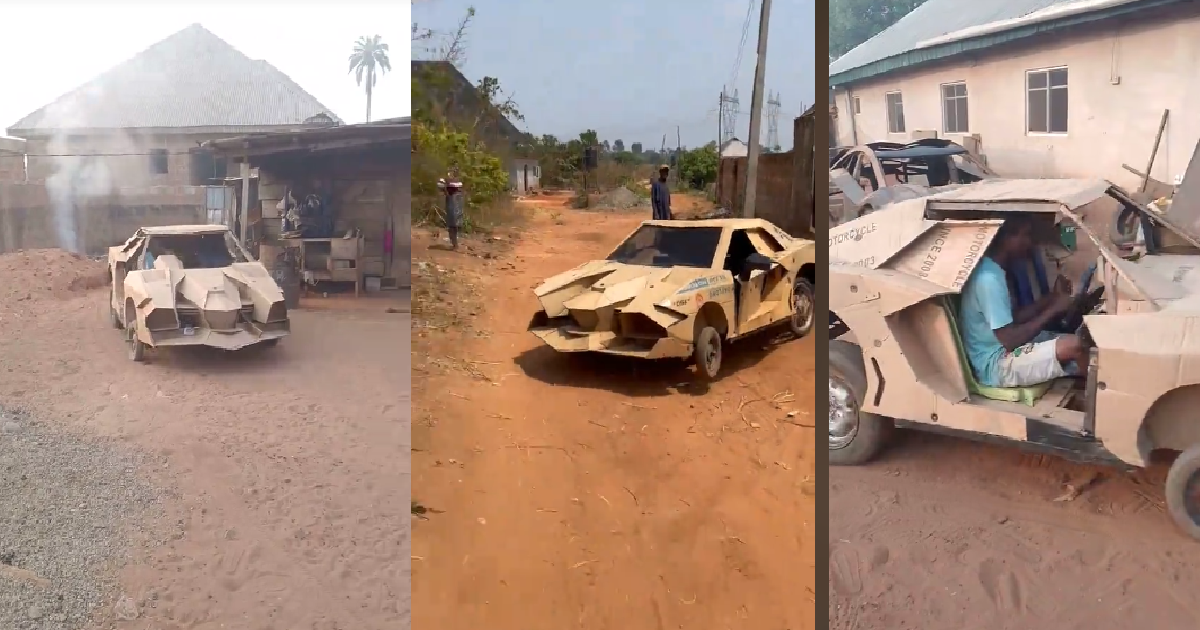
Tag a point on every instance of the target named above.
point(707, 352)
point(1183, 492)
point(136, 349)
point(804, 307)
point(855, 436)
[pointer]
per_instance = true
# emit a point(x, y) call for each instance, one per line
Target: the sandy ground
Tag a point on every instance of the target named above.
point(578, 492)
point(944, 534)
point(289, 466)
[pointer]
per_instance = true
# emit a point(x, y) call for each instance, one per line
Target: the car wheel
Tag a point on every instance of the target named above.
point(1183, 492)
point(855, 436)
point(707, 352)
point(137, 349)
point(804, 307)
point(114, 314)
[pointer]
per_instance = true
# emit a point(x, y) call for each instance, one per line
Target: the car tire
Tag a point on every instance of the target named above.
point(114, 314)
point(867, 433)
point(136, 348)
point(706, 352)
point(803, 294)
point(1183, 492)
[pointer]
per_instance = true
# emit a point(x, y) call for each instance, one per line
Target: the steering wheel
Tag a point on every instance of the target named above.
point(1072, 320)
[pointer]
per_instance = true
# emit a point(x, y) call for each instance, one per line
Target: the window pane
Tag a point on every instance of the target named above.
point(1037, 111)
point(947, 91)
point(1058, 110)
point(948, 115)
point(1058, 77)
point(1034, 80)
point(960, 89)
point(900, 119)
point(964, 123)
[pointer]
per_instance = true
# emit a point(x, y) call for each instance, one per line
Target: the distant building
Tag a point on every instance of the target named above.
point(142, 122)
point(524, 175)
point(1052, 88)
point(734, 148)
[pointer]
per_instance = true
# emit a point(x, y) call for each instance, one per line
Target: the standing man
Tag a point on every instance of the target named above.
point(660, 195)
point(453, 190)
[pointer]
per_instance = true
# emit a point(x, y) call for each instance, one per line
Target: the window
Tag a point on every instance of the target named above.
point(857, 106)
point(954, 108)
point(158, 162)
point(1046, 100)
point(895, 112)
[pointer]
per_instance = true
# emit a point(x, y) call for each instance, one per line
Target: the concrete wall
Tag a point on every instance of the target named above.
point(785, 182)
point(122, 158)
point(28, 219)
point(1121, 78)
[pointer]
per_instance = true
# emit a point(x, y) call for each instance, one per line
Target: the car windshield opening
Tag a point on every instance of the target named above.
point(659, 246)
point(196, 251)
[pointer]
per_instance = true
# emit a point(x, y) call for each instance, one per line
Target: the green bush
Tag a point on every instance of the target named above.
point(440, 148)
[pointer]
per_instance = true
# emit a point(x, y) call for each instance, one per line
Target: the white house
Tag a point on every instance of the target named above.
point(524, 175)
point(1051, 88)
point(735, 148)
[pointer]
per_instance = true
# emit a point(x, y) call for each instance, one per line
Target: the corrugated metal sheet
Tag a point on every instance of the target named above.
point(897, 47)
point(190, 79)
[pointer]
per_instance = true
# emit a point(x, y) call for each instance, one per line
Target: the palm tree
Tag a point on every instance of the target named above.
point(370, 54)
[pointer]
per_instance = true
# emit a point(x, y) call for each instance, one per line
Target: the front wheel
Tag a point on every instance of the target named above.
point(1183, 492)
point(804, 307)
point(855, 436)
point(707, 352)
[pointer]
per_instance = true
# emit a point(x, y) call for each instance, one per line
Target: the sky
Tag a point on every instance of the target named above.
point(632, 69)
point(310, 43)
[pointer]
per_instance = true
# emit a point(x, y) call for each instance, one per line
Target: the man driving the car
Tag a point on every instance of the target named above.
point(1010, 347)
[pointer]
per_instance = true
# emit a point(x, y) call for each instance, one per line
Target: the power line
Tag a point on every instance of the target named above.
point(737, 64)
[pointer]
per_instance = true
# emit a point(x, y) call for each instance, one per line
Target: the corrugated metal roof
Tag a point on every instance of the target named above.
point(190, 79)
point(901, 45)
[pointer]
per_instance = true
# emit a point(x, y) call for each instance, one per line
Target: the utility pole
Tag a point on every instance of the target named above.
point(678, 154)
point(720, 115)
point(756, 106)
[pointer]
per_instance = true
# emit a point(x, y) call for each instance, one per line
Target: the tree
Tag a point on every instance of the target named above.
point(698, 167)
point(618, 145)
point(589, 138)
point(606, 146)
point(368, 61)
point(852, 22)
point(491, 94)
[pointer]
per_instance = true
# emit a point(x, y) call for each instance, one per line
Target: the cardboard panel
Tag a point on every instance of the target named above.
point(871, 240)
point(946, 254)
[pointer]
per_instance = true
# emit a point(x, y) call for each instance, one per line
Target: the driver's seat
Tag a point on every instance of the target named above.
point(1024, 395)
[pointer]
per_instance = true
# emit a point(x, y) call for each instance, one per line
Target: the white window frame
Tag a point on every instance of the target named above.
point(856, 104)
point(888, 113)
point(1047, 71)
point(942, 102)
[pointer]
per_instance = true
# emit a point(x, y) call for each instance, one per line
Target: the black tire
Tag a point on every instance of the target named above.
point(873, 432)
point(1183, 492)
point(137, 349)
point(706, 352)
point(804, 294)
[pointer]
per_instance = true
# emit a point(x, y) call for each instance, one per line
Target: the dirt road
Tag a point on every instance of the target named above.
point(942, 534)
point(285, 470)
point(577, 492)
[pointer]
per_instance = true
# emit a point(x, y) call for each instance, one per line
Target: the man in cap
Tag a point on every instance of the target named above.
point(660, 195)
point(453, 190)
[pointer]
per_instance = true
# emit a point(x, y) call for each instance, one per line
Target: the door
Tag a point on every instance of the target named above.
point(525, 180)
point(764, 294)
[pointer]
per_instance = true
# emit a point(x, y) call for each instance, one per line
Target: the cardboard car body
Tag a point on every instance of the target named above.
point(889, 271)
point(648, 296)
point(225, 300)
point(909, 171)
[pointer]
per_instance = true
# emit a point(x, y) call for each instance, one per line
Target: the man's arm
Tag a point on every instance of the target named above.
point(1016, 334)
point(1031, 310)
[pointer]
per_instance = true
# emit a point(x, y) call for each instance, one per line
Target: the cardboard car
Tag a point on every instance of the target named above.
point(896, 353)
point(681, 289)
point(865, 178)
point(192, 285)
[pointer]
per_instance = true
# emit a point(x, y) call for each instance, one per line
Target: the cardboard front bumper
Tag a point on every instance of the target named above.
point(246, 335)
point(565, 339)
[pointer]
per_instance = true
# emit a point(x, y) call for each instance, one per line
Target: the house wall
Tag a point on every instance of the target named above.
point(773, 200)
point(517, 178)
point(120, 158)
point(30, 220)
point(1120, 79)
